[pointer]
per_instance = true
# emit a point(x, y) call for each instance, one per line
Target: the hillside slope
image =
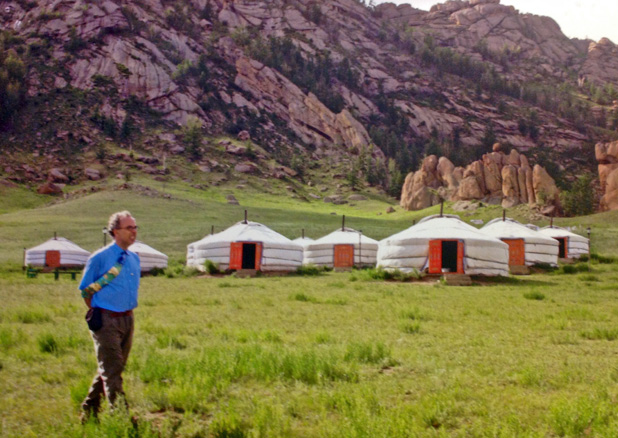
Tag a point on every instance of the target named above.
point(350, 91)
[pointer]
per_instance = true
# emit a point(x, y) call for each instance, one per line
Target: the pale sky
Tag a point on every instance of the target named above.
point(593, 19)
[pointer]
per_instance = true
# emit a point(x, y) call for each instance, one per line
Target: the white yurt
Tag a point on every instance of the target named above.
point(570, 245)
point(57, 252)
point(303, 240)
point(192, 260)
point(149, 258)
point(444, 244)
point(527, 247)
point(343, 248)
point(247, 245)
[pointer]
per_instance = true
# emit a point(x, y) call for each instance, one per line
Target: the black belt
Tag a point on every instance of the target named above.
point(117, 314)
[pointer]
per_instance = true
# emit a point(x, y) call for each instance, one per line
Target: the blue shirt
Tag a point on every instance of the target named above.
point(121, 294)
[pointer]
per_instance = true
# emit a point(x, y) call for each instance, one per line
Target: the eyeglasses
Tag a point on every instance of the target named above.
point(130, 228)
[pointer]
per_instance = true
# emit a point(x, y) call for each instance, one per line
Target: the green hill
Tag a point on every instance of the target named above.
point(171, 215)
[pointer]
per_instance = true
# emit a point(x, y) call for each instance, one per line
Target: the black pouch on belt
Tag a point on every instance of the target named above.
point(94, 318)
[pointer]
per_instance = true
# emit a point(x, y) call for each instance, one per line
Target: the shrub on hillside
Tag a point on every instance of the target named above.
point(608, 260)
point(12, 82)
point(579, 200)
point(380, 273)
point(211, 267)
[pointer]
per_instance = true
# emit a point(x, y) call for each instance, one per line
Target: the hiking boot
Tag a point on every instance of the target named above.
point(89, 413)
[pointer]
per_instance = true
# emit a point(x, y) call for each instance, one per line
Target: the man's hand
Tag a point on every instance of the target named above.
point(87, 301)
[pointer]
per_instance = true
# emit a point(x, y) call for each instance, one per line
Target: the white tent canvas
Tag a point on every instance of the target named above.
point(571, 245)
point(191, 257)
point(444, 244)
point(149, 258)
point(526, 246)
point(342, 248)
point(303, 241)
point(56, 252)
point(247, 245)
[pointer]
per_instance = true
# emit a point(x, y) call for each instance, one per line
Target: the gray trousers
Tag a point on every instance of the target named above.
point(112, 344)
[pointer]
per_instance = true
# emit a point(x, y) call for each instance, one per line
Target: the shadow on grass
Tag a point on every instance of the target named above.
point(479, 280)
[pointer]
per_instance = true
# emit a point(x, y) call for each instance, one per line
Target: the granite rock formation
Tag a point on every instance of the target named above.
point(607, 157)
point(497, 178)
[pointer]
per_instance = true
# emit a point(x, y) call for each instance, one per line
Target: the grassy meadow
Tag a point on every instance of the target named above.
point(337, 355)
point(334, 355)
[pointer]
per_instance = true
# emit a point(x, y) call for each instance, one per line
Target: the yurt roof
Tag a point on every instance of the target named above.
point(249, 232)
point(59, 244)
point(554, 231)
point(304, 241)
point(441, 227)
point(204, 239)
point(511, 229)
point(141, 248)
point(345, 236)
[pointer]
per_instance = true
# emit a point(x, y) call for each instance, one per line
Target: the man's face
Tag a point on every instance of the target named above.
point(126, 233)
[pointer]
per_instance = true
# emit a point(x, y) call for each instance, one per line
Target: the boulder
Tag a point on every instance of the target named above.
point(92, 174)
point(246, 167)
point(606, 153)
point(607, 156)
point(335, 199)
point(419, 188)
point(469, 188)
point(609, 201)
point(521, 182)
point(493, 174)
point(496, 179)
point(235, 150)
point(510, 186)
point(357, 198)
point(445, 170)
point(545, 190)
point(56, 175)
point(49, 188)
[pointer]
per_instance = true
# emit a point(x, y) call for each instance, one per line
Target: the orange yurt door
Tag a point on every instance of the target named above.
point(258, 256)
point(460, 257)
point(236, 255)
point(517, 251)
point(344, 256)
point(52, 259)
point(446, 256)
point(563, 245)
point(246, 255)
point(435, 256)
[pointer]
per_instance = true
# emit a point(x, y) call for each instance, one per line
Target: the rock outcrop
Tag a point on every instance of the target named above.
point(309, 118)
point(607, 157)
point(455, 71)
point(601, 64)
point(496, 178)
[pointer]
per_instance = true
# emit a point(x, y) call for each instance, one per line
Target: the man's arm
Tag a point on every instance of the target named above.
point(87, 278)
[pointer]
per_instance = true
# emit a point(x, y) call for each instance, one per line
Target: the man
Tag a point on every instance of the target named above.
point(109, 287)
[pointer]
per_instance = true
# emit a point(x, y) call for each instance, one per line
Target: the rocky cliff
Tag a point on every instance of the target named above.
point(305, 79)
point(607, 156)
point(497, 178)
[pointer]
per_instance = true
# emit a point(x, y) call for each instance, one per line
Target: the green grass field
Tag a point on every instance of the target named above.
point(333, 356)
point(336, 355)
